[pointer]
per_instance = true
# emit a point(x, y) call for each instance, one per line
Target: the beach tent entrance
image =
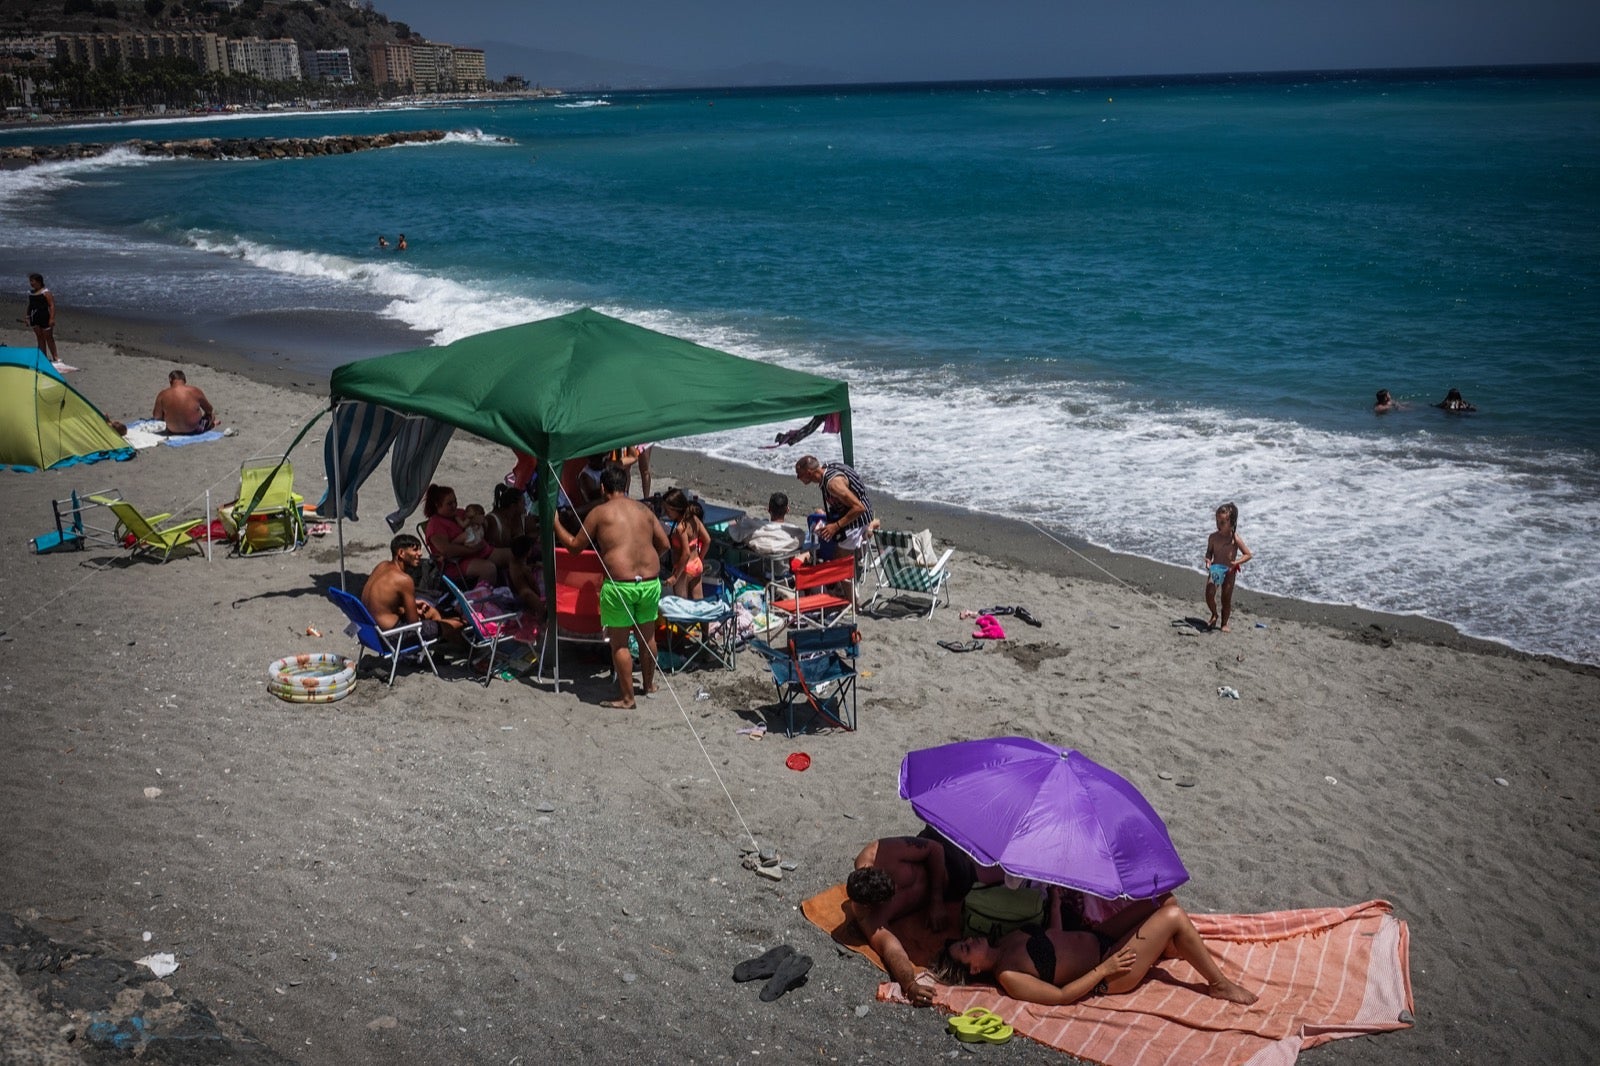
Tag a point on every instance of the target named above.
point(45, 422)
point(560, 388)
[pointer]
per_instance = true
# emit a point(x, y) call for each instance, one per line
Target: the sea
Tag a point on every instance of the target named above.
point(1105, 307)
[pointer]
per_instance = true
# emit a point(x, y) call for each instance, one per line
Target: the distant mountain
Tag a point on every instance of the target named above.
point(575, 71)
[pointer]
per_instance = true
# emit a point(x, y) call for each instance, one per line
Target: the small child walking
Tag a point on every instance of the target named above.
point(1225, 554)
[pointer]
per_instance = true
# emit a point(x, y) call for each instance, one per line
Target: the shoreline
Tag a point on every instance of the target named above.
point(1018, 544)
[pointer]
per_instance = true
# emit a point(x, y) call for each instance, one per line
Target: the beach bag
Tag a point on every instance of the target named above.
point(995, 910)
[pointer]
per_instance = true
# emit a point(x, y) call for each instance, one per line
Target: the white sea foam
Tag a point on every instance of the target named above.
point(1404, 524)
point(600, 102)
point(1410, 523)
point(445, 309)
point(476, 136)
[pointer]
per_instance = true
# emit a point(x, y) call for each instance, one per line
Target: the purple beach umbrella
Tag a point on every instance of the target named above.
point(1046, 813)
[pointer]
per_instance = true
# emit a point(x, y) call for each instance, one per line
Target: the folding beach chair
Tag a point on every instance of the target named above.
point(486, 624)
point(387, 644)
point(577, 588)
point(705, 630)
point(80, 519)
point(805, 600)
point(901, 568)
point(816, 670)
point(267, 516)
point(148, 536)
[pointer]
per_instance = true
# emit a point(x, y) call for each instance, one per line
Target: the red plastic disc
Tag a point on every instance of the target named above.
point(798, 761)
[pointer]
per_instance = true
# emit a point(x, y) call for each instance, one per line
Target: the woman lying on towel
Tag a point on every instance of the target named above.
point(1056, 966)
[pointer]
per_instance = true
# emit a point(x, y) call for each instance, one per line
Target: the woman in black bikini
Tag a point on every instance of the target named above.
point(1056, 966)
point(42, 315)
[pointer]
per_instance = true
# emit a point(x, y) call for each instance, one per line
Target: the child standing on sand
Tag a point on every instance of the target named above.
point(1225, 554)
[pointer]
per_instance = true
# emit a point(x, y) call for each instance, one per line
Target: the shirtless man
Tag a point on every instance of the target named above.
point(897, 877)
point(391, 595)
point(630, 540)
point(183, 407)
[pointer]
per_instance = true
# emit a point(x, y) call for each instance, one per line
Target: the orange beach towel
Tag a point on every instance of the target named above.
point(1322, 974)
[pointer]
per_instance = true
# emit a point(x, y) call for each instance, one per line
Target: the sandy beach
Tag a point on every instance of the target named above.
point(446, 873)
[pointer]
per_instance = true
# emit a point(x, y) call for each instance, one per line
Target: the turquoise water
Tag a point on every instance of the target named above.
point(1107, 308)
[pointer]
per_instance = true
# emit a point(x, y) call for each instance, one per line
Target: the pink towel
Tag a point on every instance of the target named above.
point(1321, 974)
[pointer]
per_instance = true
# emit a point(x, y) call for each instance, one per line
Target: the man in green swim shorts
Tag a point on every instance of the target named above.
point(630, 540)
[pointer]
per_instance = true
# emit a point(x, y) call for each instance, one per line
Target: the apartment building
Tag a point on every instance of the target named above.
point(274, 60)
point(328, 64)
point(391, 64)
point(111, 51)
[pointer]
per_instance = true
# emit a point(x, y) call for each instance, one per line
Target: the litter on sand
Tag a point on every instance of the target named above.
point(1229, 693)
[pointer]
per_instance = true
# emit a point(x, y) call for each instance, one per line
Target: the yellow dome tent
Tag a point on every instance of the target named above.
point(45, 422)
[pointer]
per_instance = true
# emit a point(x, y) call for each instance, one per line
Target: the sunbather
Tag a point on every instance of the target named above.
point(183, 407)
point(899, 877)
point(1056, 965)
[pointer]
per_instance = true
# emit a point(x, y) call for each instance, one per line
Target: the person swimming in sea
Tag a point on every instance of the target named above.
point(1454, 402)
point(1385, 403)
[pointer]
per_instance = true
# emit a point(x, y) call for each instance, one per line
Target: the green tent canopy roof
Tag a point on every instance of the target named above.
point(583, 383)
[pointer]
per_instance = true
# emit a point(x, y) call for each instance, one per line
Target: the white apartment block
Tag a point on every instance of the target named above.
point(274, 60)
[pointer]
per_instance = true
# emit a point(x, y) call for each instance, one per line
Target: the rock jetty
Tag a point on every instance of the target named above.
point(224, 147)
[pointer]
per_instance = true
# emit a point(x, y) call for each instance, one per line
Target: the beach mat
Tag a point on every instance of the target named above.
point(1322, 974)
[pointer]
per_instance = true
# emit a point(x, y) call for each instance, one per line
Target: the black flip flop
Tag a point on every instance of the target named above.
point(1022, 613)
point(764, 965)
point(790, 973)
point(960, 645)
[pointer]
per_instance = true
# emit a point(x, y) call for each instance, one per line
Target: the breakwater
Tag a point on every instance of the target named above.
point(223, 147)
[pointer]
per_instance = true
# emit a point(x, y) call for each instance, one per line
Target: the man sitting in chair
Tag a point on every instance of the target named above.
point(391, 596)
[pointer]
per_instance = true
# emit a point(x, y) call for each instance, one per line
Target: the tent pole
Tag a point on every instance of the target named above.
point(549, 484)
point(846, 441)
point(338, 496)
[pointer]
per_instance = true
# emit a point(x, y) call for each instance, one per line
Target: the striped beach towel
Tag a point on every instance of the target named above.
point(1321, 974)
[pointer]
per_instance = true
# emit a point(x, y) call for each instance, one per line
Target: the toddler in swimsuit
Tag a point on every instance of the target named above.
point(1225, 554)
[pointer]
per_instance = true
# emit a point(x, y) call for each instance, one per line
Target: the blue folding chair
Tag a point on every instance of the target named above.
point(387, 644)
point(486, 625)
point(816, 670)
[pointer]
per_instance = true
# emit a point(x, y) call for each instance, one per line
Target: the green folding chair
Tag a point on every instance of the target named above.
point(149, 536)
point(268, 517)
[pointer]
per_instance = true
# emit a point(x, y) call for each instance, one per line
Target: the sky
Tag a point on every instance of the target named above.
point(917, 40)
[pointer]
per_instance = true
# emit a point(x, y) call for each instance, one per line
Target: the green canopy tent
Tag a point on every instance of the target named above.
point(579, 384)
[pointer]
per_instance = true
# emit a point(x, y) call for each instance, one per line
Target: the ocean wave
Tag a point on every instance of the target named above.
point(600, 102)
point(443, 308)
point(40, 179)
point(476, 136)
point(1407, 524)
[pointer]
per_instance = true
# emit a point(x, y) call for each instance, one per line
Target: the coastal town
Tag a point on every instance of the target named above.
point(121, 58)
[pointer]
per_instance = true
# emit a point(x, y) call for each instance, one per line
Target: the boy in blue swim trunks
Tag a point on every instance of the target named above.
point(1225, 554)
point(630, 540)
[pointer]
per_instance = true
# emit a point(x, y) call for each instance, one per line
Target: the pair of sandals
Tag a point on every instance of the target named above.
point(978, 1025)
point(782, 968)
point(1020, 613)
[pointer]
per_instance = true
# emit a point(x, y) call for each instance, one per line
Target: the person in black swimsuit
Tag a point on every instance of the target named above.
point(1056, 966)
point(42, 315)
